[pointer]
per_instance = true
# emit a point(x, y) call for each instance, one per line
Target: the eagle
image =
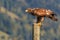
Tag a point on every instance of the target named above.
point(41, 13)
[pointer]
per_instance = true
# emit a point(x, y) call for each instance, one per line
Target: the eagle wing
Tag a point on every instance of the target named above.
point(40, 12)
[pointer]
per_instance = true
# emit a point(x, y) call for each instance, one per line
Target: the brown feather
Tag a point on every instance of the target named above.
point(41, 13)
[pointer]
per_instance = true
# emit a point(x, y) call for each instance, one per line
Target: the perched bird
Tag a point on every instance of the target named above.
point(40, 13)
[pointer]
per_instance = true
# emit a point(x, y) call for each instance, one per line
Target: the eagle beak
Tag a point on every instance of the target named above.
point(26, 10)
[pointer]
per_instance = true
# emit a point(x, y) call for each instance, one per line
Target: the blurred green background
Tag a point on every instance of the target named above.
point(17, 23)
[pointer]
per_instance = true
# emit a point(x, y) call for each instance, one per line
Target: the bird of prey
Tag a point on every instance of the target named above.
point(40, 13)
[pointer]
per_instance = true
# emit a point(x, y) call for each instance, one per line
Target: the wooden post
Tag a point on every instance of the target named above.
point(36, 31)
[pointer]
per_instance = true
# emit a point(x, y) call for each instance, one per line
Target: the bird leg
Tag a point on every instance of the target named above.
point(40, 19)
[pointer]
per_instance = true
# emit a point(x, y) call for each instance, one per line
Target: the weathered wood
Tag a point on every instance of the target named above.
point(36, 31)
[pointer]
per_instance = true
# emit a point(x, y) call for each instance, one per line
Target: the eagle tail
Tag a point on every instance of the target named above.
point(53, 17)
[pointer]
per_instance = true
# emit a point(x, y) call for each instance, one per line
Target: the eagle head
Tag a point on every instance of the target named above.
point(29, 10)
